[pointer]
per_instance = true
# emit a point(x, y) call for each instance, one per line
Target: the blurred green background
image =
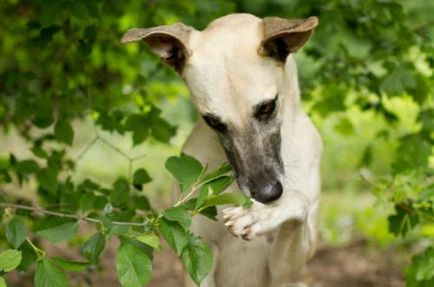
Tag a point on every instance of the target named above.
point(366, 79)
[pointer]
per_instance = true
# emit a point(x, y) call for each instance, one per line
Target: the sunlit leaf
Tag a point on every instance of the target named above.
point(10, 259)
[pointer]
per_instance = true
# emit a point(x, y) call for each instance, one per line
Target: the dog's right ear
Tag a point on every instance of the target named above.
point(169, 42)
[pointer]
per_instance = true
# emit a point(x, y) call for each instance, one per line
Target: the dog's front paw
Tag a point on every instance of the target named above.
point(245, 223)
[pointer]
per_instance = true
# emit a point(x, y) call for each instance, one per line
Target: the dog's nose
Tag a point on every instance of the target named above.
point(266, 193)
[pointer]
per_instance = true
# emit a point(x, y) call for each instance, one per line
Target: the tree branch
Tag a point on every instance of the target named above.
point(66, 215)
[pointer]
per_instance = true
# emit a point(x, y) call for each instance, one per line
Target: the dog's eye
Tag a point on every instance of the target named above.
point(265, 110)
point(215, 123)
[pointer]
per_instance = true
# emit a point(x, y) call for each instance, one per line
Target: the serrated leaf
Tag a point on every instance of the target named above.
point(174, 235)
point(141, 176)
point(186, 169)
point(93, 248)
point(2, 282)
point(178, 214)
point(64, 132)
point(150, 239)
point(133, 265)
point(197, 259)
point(56, 229)
point(9, 260)
point(48, 274)
point(75, 266)
point(16, 232)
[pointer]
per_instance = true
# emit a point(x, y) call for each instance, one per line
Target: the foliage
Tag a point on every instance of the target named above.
point(61, 65)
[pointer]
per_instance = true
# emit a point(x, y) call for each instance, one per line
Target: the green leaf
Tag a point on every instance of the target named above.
point(29, 257)
point(56, 229)
point(404, 220)
point(27, 166)
point(174, 235)
point(197, 259)
point(421, 271)
point(236, 198)
point(93, 248)
point(141, 177)
point(48, 274)
point(64, 132)
point(186, 169)
point(413, 153)
point(120, 192)
point(213, 186)
point(9, 260)
point(180, 215)
point(133, 265)
point(218, 185)
point(2, 282)
point(150, 239)
point(344, 126)
point(141, 202)
point(398, 81)
point(427, 193)
point(16, 232)
point(161, 130)
point(217, 173)
point(139, 125)
point(75, 266)
point(43, 121)
point(47, 179)
point(210, 212)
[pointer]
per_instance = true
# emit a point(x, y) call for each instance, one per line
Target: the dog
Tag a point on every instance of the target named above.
point(243, 81)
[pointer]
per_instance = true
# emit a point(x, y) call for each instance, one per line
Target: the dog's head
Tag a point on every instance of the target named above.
point(242, 81)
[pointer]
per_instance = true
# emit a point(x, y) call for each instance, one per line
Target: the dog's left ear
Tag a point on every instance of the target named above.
point(169, 42)
point(282, 36)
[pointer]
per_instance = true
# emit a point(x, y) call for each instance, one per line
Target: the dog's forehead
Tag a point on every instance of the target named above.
point(225, 73)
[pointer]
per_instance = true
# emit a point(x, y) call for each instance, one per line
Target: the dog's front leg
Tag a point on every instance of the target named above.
point(260, 219)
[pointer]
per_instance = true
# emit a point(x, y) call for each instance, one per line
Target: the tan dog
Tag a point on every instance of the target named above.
point(243, 81)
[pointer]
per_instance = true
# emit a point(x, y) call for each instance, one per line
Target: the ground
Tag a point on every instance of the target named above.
point(353, 265)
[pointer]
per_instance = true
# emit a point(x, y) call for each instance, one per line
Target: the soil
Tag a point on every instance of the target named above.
point(354, 265)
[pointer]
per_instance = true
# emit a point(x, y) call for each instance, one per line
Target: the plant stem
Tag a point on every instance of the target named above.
point(39, 252)
point(66, 215)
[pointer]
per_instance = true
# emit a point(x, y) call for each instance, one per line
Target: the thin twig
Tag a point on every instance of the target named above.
point(85, 150)
point(189, 194)
point(66, 215)
point(121, 152)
